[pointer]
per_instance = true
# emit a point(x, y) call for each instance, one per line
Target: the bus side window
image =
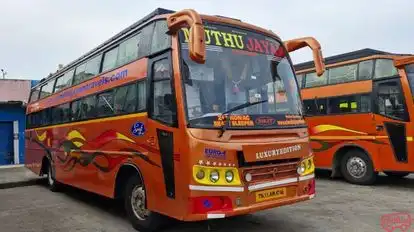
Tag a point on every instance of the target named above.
point(163, 107)
point(409, 69)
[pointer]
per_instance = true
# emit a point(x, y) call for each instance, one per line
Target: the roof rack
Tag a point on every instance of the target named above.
point(345, 57)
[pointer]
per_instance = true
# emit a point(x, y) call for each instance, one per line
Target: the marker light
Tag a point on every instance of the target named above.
point(214, 176)
point(229, 176)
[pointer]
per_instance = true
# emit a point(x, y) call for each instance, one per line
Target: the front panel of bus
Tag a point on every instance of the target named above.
point(245, 130)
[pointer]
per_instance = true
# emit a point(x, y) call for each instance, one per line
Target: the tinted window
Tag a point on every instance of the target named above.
point(299, 77)
point(61, 113)
point(47, 89)
point(146, 39)
point(390, 100)
point(315, 106)
point(35, 94)
point(125, 99)
point(344, 104)
point(161, 40)
point(409, 69)
point(384, 68)
point(105, 104)
point(84, 108)
point(312, 80)
point(128, 50)
point(64, 81)
point(343, 74)
point(45, 117)
point(365, 70)
point(365, 103)
point(79, 74)
point(142, 96)
point(92, 68)
point(110, 58)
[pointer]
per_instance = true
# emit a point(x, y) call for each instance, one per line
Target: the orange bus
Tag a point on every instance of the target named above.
point(183, 115)
point(360, 114)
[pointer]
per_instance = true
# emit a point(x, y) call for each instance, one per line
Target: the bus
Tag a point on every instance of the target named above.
point(180, 115)
point(360, 114)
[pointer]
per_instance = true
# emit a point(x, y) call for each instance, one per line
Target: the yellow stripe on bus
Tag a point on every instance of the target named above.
point(92, 121)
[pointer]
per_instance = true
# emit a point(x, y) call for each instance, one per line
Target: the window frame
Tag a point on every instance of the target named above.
point(166, 55)
point(375, 107)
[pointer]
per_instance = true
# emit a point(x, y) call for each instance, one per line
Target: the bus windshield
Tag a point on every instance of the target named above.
point(241, 67)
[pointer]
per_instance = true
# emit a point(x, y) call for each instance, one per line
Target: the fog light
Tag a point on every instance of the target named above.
point(248, 177)
point(214, 176)
point(200, 174)
point(229, 176)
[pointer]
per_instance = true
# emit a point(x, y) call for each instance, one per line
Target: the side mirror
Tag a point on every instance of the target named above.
point(191, 18)
point(313, 44)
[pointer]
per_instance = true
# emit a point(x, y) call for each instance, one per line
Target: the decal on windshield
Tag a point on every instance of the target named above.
point(239, 40)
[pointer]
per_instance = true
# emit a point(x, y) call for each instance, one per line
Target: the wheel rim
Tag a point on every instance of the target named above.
point(138, 203)
point(49, 176)
point(357, 167)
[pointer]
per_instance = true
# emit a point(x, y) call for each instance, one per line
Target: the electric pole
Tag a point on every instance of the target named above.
point(4, 73)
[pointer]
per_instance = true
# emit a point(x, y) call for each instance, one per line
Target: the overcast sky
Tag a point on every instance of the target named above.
point(37, 35)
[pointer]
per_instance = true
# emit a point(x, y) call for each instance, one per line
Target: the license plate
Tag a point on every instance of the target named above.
point(270, 194)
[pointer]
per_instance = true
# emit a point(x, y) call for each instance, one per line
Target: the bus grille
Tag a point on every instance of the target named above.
point(266, 170)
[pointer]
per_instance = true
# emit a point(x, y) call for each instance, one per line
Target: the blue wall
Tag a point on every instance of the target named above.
point(10, 113)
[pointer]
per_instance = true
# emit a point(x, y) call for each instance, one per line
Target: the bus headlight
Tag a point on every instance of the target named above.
point(306, 166)
point(214, 176)
point(301, 168)
point(207, 175)
point(229, 176)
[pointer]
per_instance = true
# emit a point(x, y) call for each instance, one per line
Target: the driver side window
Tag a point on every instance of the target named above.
point(390, 100)
point(163, 106)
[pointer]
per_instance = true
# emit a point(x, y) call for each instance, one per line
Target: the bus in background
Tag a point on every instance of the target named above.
point(360, 114)
point(183, 115)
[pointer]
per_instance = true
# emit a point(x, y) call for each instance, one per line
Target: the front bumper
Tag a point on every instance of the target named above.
point(247, 196)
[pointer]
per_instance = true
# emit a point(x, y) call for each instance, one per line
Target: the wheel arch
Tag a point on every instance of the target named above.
point(341, 151)
point(124, 172)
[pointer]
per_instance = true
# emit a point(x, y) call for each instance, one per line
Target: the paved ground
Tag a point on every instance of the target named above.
point(338, 207)
point(16, 175)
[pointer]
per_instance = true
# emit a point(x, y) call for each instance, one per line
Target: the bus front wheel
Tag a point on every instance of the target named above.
point(140, 217)
point(397, 174)
point(357, 168)
point(51, 180)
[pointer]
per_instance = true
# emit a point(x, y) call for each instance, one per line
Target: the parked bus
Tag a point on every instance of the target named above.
point(183, 115)
point(360, 114)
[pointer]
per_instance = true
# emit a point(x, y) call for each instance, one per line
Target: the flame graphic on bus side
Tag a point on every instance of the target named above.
point(78, 150)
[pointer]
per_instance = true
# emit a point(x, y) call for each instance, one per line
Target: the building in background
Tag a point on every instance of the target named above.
point(14, 95)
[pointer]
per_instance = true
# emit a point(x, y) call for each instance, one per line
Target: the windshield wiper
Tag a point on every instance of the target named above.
point(239, 107)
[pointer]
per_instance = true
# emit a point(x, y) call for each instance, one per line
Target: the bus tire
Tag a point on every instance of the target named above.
point(357, 168)
point(140, 217)
point(52, 184)
point(397, 174)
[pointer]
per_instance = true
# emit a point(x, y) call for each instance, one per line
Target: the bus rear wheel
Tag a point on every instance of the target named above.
point(138, 214)
point(397, 174)
point(357, 168)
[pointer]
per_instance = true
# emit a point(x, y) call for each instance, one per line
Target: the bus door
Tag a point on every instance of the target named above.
point(162, 126)
point(391, 118)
